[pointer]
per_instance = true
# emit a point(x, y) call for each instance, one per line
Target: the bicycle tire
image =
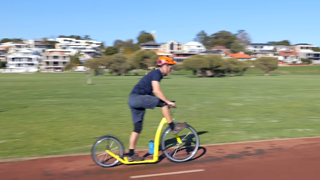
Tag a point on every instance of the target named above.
point(93, 151)
point(163, 146)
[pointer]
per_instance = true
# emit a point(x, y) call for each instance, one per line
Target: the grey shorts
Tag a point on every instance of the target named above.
point(139, 103)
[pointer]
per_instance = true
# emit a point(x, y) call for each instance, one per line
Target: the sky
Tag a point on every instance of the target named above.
point(108, 20)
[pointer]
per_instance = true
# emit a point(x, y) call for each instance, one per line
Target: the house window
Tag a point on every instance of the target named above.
point(55, 57)
point(47, 57)
point(64, 63)
point(55, 63)
point(171, 46)
point(64, 57)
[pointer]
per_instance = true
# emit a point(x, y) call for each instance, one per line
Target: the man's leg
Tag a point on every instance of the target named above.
point(137, 116)
point(175, 128)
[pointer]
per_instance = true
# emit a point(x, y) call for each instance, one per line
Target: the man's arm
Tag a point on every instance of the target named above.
point(157, 91)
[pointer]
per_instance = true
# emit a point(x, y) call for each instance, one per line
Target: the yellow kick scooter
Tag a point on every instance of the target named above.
point(108, 151)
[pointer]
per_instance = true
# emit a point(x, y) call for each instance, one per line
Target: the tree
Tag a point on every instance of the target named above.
point(203, 38)
point(216, 64)
point(144, 37)
point(307, 61)
point(237, 47)
point(143, 59)
point(10, 40)
point(234, 66)
point(75, 59)
point(3, 64)
point(267, 64)
point(102, 46)
point(284, 43)
point(110, 51)
point(223, 38)
point(86, 37)
point(243, 37)
point(196, 63)
point(97, 64)
point(126, 44)
point(248, 52)
point(118, 64)
point(316, 49)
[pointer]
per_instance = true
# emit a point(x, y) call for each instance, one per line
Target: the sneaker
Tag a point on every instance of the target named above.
point(135, 157)
point(178, 127)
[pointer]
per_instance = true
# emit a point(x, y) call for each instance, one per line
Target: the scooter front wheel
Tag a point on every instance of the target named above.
point(99, 154)
point(180, 151)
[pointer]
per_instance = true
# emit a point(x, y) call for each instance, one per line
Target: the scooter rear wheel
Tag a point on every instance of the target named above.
point(99, 154)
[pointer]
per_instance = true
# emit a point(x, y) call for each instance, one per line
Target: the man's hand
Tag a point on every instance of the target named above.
point(171, 104)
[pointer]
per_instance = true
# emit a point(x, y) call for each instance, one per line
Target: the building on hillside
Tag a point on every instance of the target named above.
point(39, 43)
point(256, 47)
point(161, 53)
point(3, 54)
point(14, 47)
point(171, 47)
point(289, 57)
point(282, 48)
point(240, 56)
point(263, 53)
point(75, 42)
point(222, 48)
point(150, 46)
point(23, 61)
point(193, 47)
point(314, 56)
point(304, 47)
point(70, 52)
point(180, 57)
point(54, 61)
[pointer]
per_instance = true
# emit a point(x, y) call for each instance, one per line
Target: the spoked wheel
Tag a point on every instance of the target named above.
point(180, 152)
point(99, 154)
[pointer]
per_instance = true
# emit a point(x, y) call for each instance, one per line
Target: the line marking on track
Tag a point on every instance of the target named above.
point(165, 174)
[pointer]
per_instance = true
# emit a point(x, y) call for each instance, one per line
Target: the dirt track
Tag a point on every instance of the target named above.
point(297, 159)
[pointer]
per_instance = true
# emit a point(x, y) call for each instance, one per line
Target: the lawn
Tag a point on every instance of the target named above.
point(50, 114)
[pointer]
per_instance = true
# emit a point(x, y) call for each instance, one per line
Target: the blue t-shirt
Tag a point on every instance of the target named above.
point(144, 86)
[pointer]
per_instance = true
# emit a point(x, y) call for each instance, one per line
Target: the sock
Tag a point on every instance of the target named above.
point(171, 126)
point(131, 152)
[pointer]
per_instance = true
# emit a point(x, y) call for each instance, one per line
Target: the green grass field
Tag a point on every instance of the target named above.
point(50, 114)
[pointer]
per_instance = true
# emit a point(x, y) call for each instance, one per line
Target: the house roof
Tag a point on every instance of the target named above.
point(55, 52)
point(302, 44)
point(240, 55)
point(265, 44)
point(150, 43)
point(288, 53)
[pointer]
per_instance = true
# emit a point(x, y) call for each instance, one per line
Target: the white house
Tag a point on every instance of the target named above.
point(54, 61)
point(75, 42)
point(171, 47)
point(257, 47)
point(38, 43)
point(302, 47)
point(14, 47)
point(193, 47)
point(289, 57)
point(24, 61)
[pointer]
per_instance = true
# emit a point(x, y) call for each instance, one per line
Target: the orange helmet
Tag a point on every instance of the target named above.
point(165, 60)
